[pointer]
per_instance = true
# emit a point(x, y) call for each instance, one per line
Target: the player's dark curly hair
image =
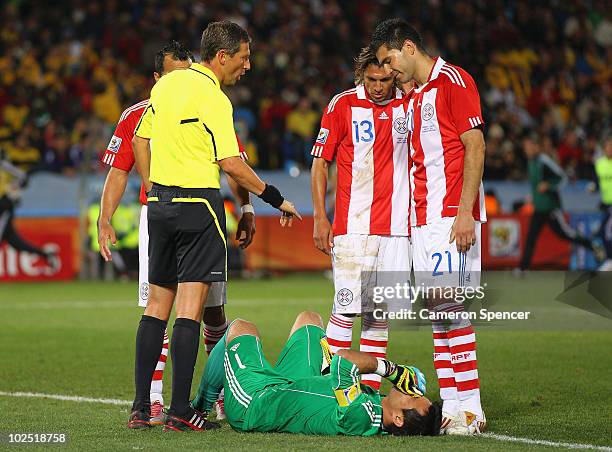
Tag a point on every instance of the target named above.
point(362, 61)
point(392, 33)
point(176, 50)
point(224, 35)
point(416, 424)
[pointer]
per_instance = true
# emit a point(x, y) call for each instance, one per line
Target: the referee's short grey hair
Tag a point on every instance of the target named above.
point(224, 35)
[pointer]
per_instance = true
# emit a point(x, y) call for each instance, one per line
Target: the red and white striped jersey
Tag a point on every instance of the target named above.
point(438, 112)
point(119, 153)
point(368, 141)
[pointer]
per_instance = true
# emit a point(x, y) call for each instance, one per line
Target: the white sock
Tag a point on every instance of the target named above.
point(339, 332)
point(157, 383)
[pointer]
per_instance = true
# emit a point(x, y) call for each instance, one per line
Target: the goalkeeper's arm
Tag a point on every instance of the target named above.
point(406, 379)
point(212, 379)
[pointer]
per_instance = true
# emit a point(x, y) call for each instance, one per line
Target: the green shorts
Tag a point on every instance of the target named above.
point(248, 374)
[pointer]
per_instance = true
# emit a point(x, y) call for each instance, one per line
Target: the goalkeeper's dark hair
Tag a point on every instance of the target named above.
point(392, 33)
point(175, 50)
point(416, 424)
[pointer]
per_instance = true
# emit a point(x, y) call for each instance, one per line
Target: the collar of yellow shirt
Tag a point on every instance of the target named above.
point(206, 72)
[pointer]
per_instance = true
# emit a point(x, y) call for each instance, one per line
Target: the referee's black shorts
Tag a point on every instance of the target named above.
point(186, 235)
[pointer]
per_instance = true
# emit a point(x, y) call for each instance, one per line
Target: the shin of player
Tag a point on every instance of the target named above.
point(364, 130)
point(447, 203)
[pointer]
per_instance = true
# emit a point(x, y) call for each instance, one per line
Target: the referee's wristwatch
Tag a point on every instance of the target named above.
point(247, 208)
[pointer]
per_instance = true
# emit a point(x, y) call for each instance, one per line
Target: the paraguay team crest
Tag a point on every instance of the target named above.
point(144, 291)
point(428, 112)
point(400, 125)
point(344, 297)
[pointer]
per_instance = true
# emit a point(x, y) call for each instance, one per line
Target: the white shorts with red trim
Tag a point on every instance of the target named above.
point(437, 263)
point(217, 294)
point(363, 262)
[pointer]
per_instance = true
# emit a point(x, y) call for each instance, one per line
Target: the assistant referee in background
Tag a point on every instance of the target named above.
point(545, 178)
point(189, 128)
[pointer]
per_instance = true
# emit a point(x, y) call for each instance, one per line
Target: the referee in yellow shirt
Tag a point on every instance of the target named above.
point(188, 126)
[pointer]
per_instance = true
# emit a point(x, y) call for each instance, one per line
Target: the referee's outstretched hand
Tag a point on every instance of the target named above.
point(289, 212)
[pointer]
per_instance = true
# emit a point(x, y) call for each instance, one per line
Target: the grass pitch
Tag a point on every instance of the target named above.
point(546, 380)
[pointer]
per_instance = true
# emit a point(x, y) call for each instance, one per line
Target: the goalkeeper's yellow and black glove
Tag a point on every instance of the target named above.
point(327, 356)
point(406, 379)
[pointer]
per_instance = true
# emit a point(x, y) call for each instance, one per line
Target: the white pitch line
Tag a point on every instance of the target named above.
point(38, 395)
point(505, 438)
point(128, 304)
point(541, 442)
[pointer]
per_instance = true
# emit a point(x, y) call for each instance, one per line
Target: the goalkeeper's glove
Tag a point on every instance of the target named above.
point(406, 379)
point(327, 356)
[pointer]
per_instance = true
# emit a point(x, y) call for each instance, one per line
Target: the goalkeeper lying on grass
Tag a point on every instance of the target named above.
point(309, 391)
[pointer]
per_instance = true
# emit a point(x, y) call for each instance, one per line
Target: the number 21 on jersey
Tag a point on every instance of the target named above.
point(439, 265)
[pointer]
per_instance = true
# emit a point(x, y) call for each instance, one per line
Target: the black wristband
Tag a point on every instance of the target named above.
point(272, 196)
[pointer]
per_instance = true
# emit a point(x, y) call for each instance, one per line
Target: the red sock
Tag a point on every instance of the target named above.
point(212, 335)
point(374, 339)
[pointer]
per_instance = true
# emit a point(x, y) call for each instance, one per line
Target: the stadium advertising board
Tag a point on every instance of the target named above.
point(58, 235)
point(504, 236)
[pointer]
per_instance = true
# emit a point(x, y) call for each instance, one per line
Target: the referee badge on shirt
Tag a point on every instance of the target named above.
point(115, 144)
point(323, 134)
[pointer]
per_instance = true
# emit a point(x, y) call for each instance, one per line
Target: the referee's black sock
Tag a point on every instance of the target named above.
point(184, 352)
point(149, 341)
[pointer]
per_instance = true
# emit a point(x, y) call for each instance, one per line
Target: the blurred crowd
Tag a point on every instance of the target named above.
point(68, 69)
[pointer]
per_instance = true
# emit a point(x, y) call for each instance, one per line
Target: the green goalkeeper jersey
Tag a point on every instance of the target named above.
point(312, 405)
point(292, 396)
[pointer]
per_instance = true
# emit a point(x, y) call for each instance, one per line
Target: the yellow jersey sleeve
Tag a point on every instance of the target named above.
point(219, 124)
point(144, 128)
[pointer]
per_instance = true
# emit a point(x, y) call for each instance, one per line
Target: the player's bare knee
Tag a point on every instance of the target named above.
point(306, 318)
point(241, 327)
point(309, 318)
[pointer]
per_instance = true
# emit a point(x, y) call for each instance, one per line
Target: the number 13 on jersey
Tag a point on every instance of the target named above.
point(364, 131)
